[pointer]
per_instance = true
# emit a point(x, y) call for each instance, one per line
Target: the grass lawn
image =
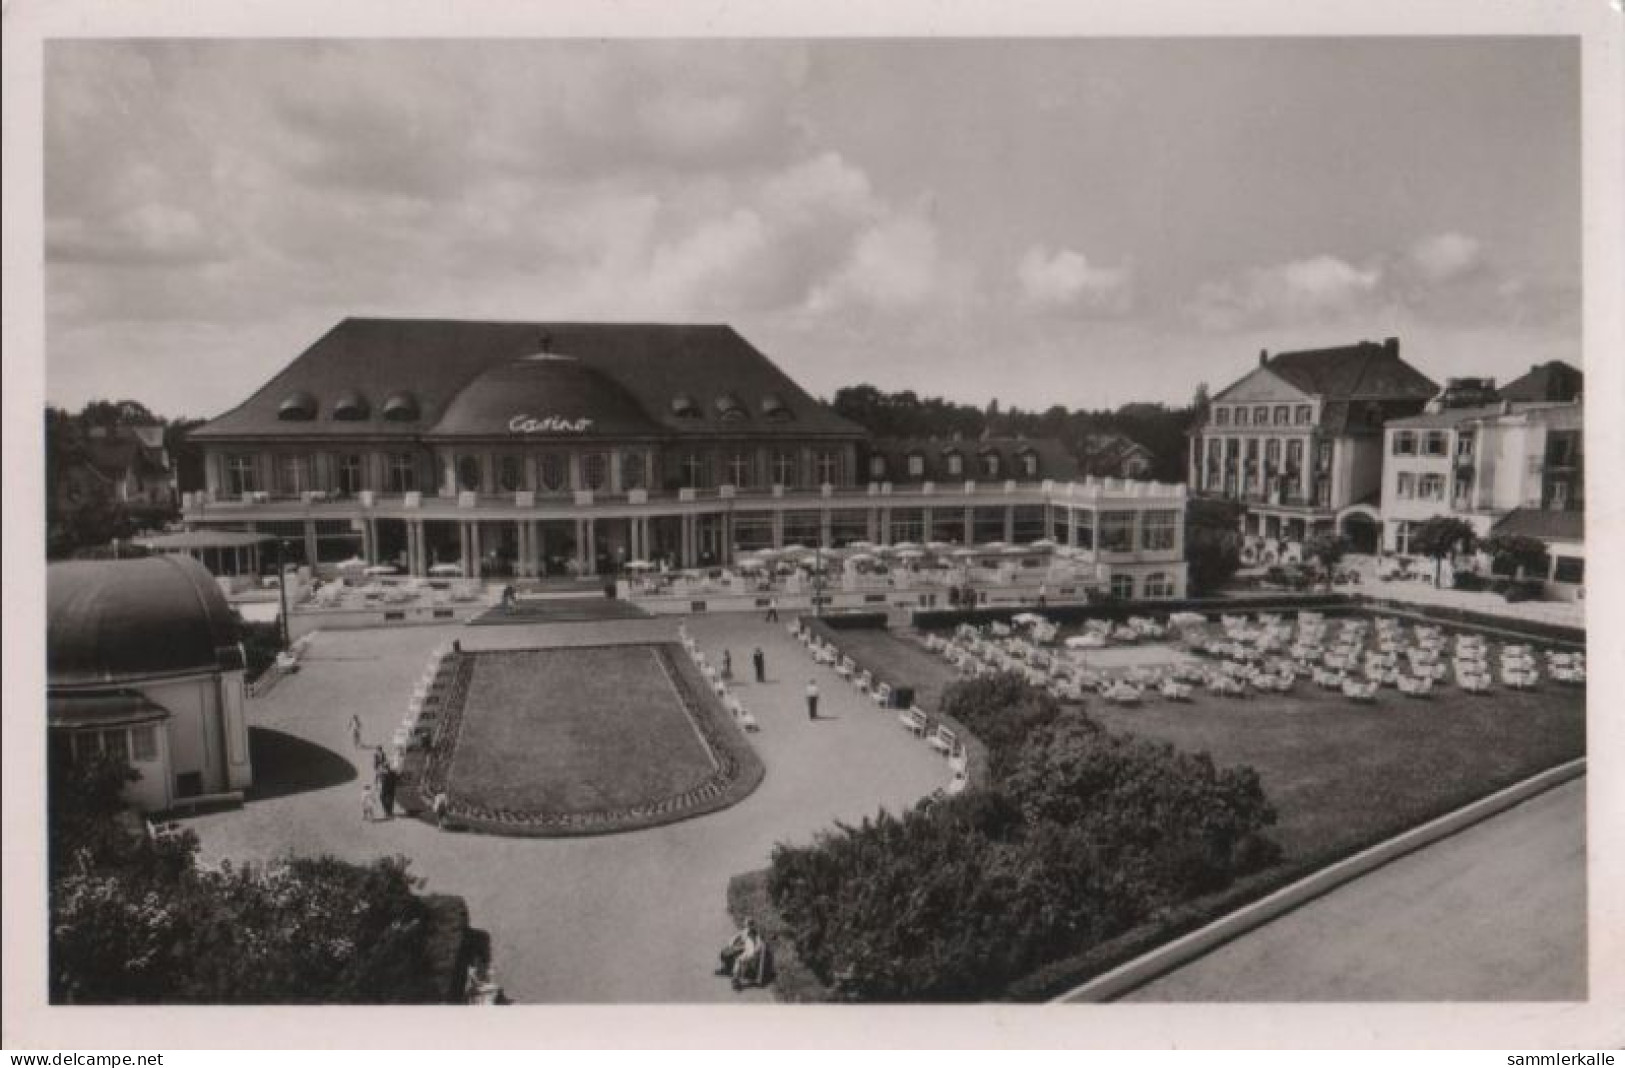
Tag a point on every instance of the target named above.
point(574, 730)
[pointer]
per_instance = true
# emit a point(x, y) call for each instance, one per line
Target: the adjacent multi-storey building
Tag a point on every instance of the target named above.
point(533, 449)
point(1299, 441)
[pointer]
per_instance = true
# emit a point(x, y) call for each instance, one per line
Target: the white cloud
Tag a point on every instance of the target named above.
point(1320, 288)
point(1067, 279)
point(894, 265)
point(1446, 257)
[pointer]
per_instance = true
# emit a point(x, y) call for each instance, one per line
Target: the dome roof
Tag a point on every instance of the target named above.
point(118, 621)
point(545, 396)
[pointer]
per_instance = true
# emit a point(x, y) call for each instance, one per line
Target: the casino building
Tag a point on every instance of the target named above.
point(541, 449)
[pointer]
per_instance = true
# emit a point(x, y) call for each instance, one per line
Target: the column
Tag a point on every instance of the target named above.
point(885, 527)
point(476, 551)
point(463, 547)
point(448, 487)
point(1071, 526)
point(589, 547)
point(970, 526)
point(927, 519)
point(686, 547)
point(310, 542)
point(778, 528)
point(1306, 469)
point(521, 538)
point(824, 527)
point(1009, 523)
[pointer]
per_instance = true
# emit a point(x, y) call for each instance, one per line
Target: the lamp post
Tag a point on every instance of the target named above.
point(282, 587)
point(818, 579)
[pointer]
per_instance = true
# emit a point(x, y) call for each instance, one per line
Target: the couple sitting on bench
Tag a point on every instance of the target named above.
point(747, 958)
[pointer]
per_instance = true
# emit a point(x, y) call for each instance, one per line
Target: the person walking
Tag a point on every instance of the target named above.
point(440, 805)
point(355, 730)
point(379, 760)
point(369, 811)
point(758, 660)
point(772, 610)
point(812, 699)
point(727, 666)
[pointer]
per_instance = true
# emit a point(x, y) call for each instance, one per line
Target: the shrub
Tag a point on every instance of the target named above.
point(1083, 834)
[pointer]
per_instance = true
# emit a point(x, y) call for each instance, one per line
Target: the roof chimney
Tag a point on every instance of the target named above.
point(1263, 356)
point(1390, 347)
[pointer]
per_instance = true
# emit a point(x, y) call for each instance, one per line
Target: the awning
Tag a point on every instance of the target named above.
point(107, 709)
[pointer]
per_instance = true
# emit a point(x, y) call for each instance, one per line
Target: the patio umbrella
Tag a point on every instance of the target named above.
point(963, 554)
point(354, 561)
point(795, 547)
point(909, 554)
point(938, 546)
point(904, 546)
point(381, 569)
point(639, 565)
point(992, 545)
point(1014, 550)
point(446, 569)
point(1027, 619)
point(751, 564)
point(860, 545)
point(1043, 543)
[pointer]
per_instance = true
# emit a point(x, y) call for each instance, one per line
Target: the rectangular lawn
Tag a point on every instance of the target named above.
point(574, 730)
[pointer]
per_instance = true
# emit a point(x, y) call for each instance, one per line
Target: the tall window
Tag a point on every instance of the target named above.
point(1294, 454)
point(1302, 414)
point(916, 465)
point(1158, 530)
point(634, 471)
point(1404, 443)
point(468, 473)
point(1241, 416)
point(784, 468)
point(553, 471)
point(351, 480)
point(1433, 443)
point(1261, 415)
point(990, 465)
point(1405, 487)
point(1431, 488)
point(293, 474)
point(827, 465)
point(1029, 465)
point(955, 465)
point(693, 466)
point(1123, 587)
point(1221, 417)
point(1272, 450)
point(739, 466)
point(595, 471)
point(1117, 532)
point(1157, 584)
point(510, 473)
point(242, 476)
point(403, 473)
point(1464, 447)
point(1283, 414)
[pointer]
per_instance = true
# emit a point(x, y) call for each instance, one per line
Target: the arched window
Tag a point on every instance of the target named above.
point(990, 464)
point(350, 407)
point(553, 471)
point(954, 464)
point(634, 471)
point(827, 466)
point(468, 473)
point(739, 469)
point(775, 410)
point(400, 407)
point(595, 471)
point(684, 406)
point(1029, 464)
point(510, 473)
point(731, 408)
point(297, 407)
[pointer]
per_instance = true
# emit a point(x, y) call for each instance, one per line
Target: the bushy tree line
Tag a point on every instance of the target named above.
point(1158, 427)
point(135, 919)
point(1082, 834)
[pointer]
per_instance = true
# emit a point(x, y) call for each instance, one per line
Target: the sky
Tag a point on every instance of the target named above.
point(1083, 222)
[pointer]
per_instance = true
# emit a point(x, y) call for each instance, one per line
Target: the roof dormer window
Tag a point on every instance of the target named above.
point(400, 407)
point(730, 408)
point(297, 407)
point(350, 407)
point(684, 406)
point(775, 410)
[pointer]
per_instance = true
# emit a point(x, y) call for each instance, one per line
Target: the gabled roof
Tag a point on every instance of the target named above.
point(1364, 371)
point(1550, 381)
point(435, 360)
point(1543, 524)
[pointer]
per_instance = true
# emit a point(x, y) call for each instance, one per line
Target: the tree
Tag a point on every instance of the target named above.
point(1212, 543)
point(1326, 549)
point(1514, 553)
point(1440, 537)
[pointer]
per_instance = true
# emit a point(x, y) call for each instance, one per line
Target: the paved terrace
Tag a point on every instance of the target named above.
point(624, 918)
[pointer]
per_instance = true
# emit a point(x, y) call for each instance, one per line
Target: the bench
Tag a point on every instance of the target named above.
point(845, 668)
point(943, 740)
point(915, 721)
point(883, 695)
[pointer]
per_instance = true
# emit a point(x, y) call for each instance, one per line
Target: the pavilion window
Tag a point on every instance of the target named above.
point(1221, 417)
point(242, 473)
point(293, 474)
point(1282, 414)
point(634, 471)
point(1261, 415)
point(143, 743)
point(1294, 455)
point(595, 471)
point(990, 464)
point(827, 465)
point(784, 468)
point(510, 473)
point(1241, 416)
point(739, 469)
point(351, 478)
point(1123, 587)
point(916, 465)
point(1404, 443)
point(403, 473)
point(693, 465)
point(1117, 532)
point(553, 472)
point(955, 465)
point(468, 474)
point(1303, 414)
point(1029, 464)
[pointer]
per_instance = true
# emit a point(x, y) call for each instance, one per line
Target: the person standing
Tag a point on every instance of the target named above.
point(727, 666)
point(355, 730)
point(812, 699)
point(369, 811)
point(772, 610)
point(758, 660)
point(388, 781)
